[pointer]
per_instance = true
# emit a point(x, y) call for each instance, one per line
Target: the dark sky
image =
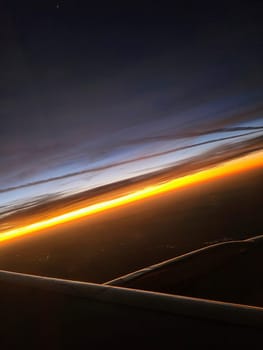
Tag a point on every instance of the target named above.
point(80, 83)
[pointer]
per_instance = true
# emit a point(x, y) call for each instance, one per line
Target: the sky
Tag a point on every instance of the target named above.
point(91, 94)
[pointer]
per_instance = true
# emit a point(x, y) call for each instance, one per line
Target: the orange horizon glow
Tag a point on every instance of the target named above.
point(228, 168)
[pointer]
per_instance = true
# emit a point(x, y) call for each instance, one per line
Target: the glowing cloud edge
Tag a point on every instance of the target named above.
point(230, 167)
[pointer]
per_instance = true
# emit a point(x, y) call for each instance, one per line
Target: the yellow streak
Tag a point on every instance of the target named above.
point(230, 167)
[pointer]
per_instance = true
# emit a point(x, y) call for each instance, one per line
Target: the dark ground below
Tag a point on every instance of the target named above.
point(121, 240)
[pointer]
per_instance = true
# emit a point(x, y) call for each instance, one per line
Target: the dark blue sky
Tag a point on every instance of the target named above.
point(83, 85)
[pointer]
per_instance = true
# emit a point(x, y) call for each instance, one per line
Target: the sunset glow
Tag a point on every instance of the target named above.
point(224, 169)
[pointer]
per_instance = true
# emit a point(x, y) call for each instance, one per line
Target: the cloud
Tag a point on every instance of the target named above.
point(133, 160)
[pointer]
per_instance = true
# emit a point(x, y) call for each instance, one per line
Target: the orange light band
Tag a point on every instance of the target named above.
point(227, 168)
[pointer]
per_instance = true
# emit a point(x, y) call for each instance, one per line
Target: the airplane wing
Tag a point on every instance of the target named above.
point(53, 313)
